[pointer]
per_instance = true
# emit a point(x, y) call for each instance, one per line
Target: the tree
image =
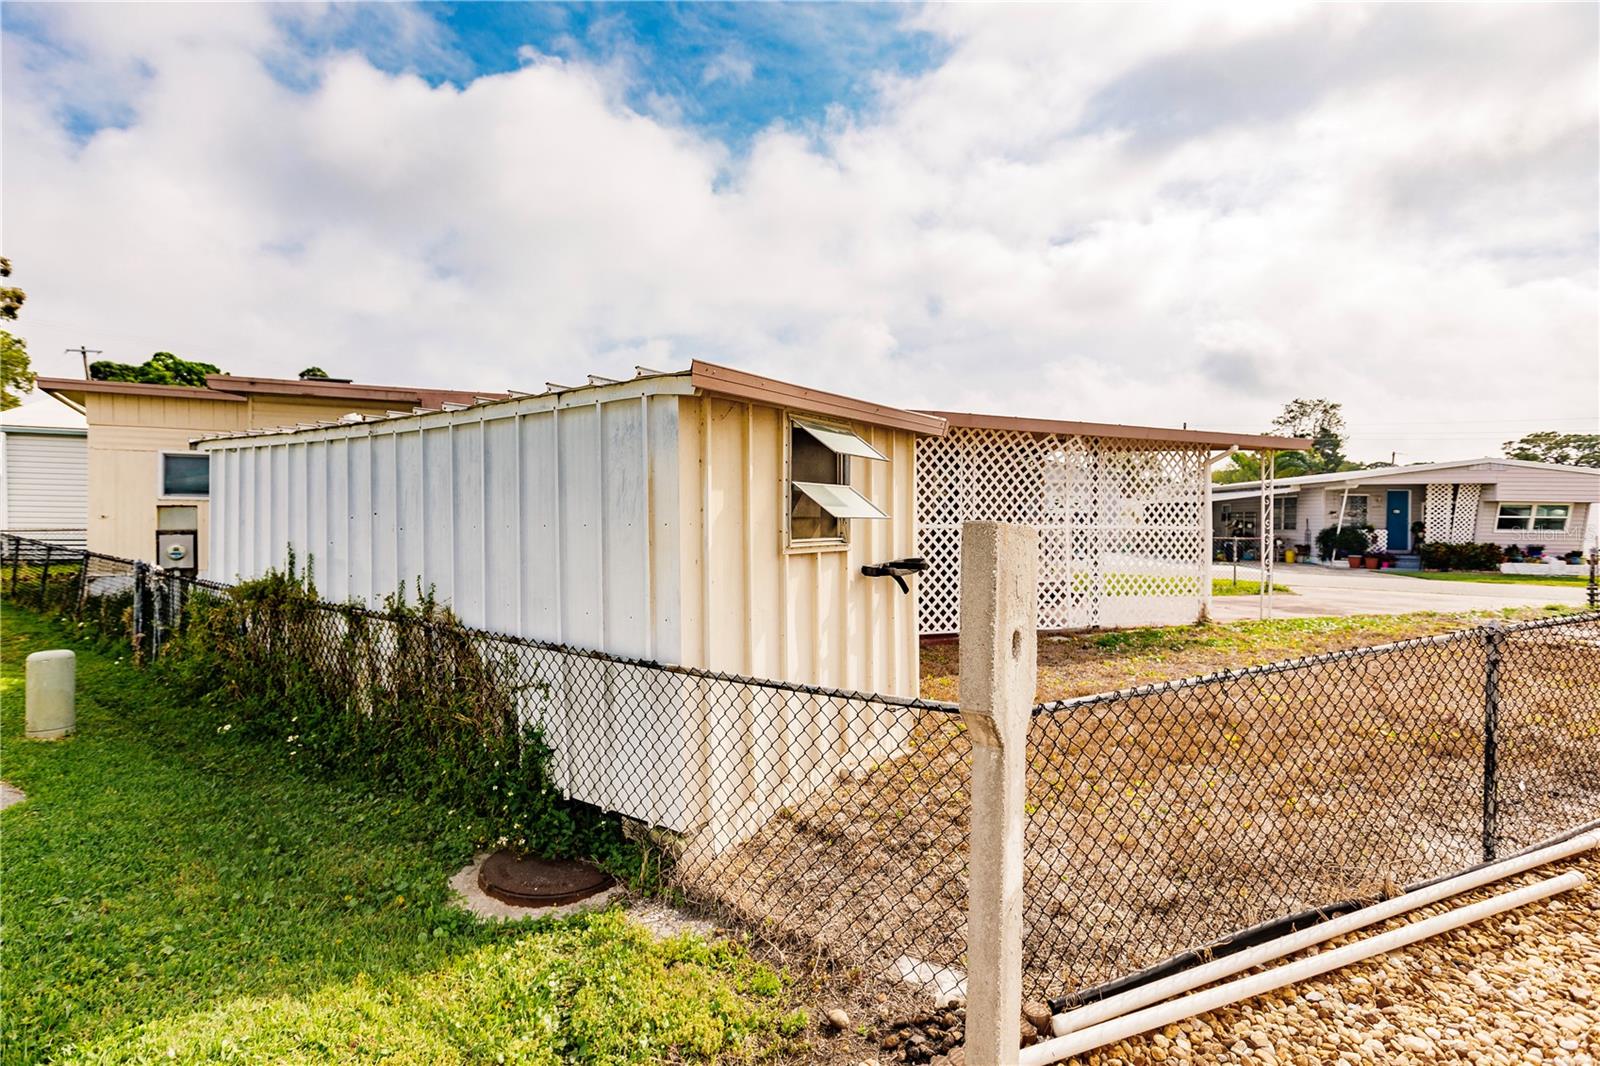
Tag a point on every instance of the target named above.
point(1548, 446)
point(16, 370)
point(1320, 420)
point(162, 368)
point(1323, 422)
point(313, 373)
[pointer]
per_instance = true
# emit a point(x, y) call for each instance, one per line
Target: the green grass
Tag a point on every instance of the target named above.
point(173, 892)
point(1494, 577)
point(1222, 586)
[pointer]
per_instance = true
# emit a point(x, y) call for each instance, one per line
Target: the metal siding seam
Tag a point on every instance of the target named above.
point(747, 536)
point(483, 521)
point(705, 533)
point(556, 524)
point(522, 516)
point(647, 472)
point(600, 520)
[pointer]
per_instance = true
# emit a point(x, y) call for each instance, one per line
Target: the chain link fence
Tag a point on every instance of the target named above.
point(1161, 818)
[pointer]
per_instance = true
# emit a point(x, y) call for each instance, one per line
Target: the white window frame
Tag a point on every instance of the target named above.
point(1533, 516)
point(1341, 512)
point(794, 544)
point(161, 477)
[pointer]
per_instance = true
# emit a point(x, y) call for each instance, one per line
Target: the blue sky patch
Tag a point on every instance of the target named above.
point(729, 70)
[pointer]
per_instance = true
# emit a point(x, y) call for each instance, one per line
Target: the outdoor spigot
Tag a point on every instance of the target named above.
point(896, 569)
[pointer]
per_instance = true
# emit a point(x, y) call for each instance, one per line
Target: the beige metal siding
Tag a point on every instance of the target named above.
point(750, 605)
point(46, 483)
point(1569, 539)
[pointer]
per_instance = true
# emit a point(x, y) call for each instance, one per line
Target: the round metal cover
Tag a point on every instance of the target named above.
point(534, 882)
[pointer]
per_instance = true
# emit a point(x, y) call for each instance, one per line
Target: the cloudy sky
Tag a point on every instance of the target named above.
point(1125, 213)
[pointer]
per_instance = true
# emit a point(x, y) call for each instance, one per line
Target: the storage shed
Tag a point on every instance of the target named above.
point(707, 518)
point(44, 460)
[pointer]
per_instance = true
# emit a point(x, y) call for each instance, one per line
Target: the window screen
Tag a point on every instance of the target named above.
point(185, 475)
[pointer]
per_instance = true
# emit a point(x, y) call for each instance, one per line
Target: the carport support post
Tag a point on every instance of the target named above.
point(999, 652)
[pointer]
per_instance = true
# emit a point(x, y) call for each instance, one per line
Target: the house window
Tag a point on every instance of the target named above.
point(821, 501)
point(1355, 511)
point(1285, 512)
point(1539, 517)
point(185, 474)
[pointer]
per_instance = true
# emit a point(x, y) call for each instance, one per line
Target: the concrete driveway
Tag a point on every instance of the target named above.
point(1323, 591)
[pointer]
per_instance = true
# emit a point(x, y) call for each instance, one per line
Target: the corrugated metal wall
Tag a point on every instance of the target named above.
point(538, 519)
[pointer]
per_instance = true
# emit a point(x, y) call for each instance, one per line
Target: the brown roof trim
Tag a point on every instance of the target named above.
point(725, 381)
point(336, 390)
point(1215, 438)
point(79, 386)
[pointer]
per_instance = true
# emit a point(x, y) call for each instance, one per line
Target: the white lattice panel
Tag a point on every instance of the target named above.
point(1121, 523)
point(1464, 519)
point(1450, 513)
point(1437, 504)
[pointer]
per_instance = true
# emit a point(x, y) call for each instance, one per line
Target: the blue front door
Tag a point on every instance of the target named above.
point(1399, 525)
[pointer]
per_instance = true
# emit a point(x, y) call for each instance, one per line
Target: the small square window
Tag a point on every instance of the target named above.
point(1551, 517)
point(1513, 516)
point(186, 474)
point(821, 501)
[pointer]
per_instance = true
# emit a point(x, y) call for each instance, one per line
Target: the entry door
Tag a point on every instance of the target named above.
point(1399, 524)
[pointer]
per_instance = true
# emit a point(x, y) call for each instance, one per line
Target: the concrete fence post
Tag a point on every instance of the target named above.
point(999, 651)
point(51, 698)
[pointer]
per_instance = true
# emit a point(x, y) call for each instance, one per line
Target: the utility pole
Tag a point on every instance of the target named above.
point(86, 353)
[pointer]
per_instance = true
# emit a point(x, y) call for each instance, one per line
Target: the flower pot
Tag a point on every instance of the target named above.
point(1355, 562)
point(1371, 562)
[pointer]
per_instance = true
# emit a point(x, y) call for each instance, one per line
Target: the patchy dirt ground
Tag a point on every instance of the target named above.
point(1162, 821)
point(1078, 664)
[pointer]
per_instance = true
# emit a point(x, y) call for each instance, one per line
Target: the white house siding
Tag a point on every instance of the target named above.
point(46, 492)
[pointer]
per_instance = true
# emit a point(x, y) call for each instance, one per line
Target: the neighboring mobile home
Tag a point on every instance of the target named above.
point(1485, 501)
point(44, 471)
point(148, 492)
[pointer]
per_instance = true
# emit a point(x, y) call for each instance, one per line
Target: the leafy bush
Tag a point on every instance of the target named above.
point(407, 698)
point(1437, 556)
point(1351, 540)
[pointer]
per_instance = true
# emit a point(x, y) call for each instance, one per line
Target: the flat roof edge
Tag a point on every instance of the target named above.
point(742, 385)
point(1060, 427)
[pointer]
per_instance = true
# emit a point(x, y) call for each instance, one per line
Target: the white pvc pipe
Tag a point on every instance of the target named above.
point(1289, 943)
point(1143, 1021)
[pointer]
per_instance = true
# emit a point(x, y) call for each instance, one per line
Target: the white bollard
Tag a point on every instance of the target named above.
point(999, 652)
point(52, 692)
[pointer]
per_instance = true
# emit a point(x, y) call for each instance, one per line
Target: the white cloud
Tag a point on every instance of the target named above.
point(1094, 212)
point(728, 66)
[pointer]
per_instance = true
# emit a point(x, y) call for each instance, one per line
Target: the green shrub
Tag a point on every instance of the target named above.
point(406, 698)
point(1437, 556)
point(1351, 540)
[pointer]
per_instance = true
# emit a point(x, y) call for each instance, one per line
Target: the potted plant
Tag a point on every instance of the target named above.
point(1573, 558)
point(1536, 553)
point(1513, 553)
point(1418, 528)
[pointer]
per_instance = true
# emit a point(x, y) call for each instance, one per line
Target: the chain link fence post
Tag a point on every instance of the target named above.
point(1494, 639)
point(1594, 578)
point(140, 622)
point(999, 652)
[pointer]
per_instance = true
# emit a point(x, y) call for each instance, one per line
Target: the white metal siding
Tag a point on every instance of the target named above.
point(537, 524)
point(47, 484)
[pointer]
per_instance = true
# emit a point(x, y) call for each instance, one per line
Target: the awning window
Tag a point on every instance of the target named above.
point(840, 501)
point(841, 442)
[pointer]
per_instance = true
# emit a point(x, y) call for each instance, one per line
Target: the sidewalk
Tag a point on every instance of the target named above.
point(1323, 591)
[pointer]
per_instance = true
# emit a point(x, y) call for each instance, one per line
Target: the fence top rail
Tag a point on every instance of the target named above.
point(1304, 662)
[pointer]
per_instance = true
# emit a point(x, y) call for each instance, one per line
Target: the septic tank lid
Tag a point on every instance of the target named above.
point(535, 882)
